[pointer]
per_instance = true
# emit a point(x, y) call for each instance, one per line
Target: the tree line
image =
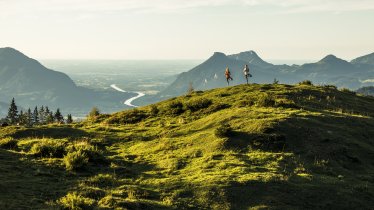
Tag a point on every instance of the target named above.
point(37, 116)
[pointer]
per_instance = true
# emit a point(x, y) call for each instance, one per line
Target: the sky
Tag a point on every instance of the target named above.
point(187, 29)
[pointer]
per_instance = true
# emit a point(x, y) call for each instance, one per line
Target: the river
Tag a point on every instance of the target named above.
point(129, 101)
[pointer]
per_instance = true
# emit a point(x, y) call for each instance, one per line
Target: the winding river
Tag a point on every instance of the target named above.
point(129, 101)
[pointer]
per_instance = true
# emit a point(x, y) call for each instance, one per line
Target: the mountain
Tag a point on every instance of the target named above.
point(240, 147)
point(210, 74)
point(19, 73)
point(251, 57)
point(369, 91)
point(329, 65)
point(32, 84)
point(367, 60)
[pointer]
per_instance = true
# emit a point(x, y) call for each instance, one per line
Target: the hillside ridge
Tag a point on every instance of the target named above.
point(239, 147)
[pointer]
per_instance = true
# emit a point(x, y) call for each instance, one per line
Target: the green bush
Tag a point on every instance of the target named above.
point(48, 148)
point(223, 130)
point(92, 152)
point(175, 108)
point(265, 100)
point(8, 143)
point(346, 90)
point(197, 104)
point(74, 201)
point(306, 82)
point(75, 160)
point(128, 117)
point(102, 180)
point(154, 110)
point(216, 107)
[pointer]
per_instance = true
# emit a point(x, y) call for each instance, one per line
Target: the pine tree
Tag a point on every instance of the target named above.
point(22, 118)
point(58, 116)
point(46, 115)
point(41, 115)
point(69, 120)
point(12, 113)
point(29, 118)
point(35, 116)
point(50, 118)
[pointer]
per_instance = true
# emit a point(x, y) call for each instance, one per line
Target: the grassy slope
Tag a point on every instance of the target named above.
point(288, 147)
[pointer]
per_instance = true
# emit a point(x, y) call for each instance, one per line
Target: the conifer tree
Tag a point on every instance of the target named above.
point(22, 118)
point(69, 120)
point(29, 118)
point(41, 115)
point(35, 116)
point(58, 116)
point(50, 118)
point(12, 113)
point(46, 115)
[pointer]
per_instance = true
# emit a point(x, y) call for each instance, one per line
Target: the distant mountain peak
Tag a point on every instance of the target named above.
point(366, 59)
point(11, 52)
point(250, 57)
point(329, 58)
point(219, 54)
point(332, 59)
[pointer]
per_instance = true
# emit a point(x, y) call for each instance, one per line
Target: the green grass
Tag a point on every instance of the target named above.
point(243, 147)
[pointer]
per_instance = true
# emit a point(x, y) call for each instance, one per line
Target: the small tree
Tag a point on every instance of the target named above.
point(29, 118)
point(35, 116)
point(12, 116)
point(69, 120)
point(190, 89)
point(50, 118)
point(42, 115)
point(58, 116)
point(275, 82)
point(94, 112)
point(22, 118)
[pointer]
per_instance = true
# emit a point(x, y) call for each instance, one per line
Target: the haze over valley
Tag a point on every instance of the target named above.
point(176, 104)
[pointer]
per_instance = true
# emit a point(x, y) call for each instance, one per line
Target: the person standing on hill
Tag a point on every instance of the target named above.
point(228, 75)
point(246, 72)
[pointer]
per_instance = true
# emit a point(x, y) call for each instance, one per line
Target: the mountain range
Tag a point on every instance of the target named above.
point(32, 84)
point(329, 70)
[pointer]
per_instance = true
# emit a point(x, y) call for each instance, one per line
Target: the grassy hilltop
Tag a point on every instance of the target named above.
point(241, 147)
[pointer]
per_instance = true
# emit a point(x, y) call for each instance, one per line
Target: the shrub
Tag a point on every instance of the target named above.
point(74, 201)
point(346, 90)
point(102, 180)
point(223, 130)
point(75, 160)
point(197, 104)
point(265, 100)
point(216, 107)
point(8, 143)
point(92, 152)
point(48, 148)
point(128, 117)
point(154, 110)
point(306, 82)
point(108, 201)
point(175, 108)
point(330, 87)
point(94, 112)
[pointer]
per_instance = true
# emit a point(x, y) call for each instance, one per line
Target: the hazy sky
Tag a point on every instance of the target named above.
point(187, 29)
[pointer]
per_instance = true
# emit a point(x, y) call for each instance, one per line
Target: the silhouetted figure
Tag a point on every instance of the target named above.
point(228, 75)
point(246, 72)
